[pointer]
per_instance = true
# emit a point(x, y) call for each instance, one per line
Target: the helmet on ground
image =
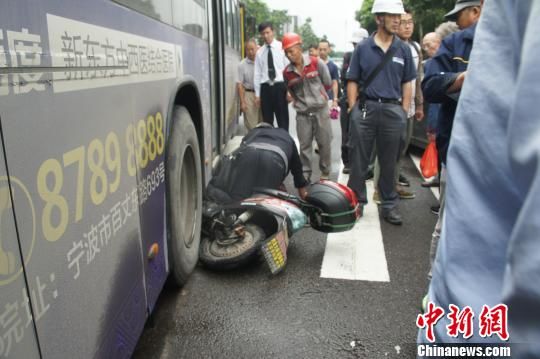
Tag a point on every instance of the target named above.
point(359, 35)
point(291, 39)
point(336, 204)
point(388, 7)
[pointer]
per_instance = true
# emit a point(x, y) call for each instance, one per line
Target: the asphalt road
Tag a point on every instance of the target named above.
point(247, 313)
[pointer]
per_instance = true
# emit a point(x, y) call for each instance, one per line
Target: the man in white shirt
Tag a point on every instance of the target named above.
point(270, 90)
point(246, 90)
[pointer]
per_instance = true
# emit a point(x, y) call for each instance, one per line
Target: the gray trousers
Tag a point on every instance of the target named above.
point(438, 226)
point(405, 141)
point(382, 125)
point(314, 125)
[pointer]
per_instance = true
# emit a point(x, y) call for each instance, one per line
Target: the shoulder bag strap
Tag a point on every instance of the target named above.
point(379, 67)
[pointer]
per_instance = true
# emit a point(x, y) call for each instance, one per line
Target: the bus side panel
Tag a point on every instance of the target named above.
point(232, 59)
point(17, 334)
point(71, 142)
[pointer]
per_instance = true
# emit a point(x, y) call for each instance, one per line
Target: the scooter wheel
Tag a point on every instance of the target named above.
point(231, 253)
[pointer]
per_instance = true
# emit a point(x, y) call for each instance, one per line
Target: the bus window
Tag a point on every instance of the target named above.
point(229, 20)
point(158, 9)
point(190, 16)
point(236, 31)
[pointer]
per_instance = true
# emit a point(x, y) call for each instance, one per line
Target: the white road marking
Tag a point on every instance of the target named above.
point(357, 254)
point(416, 160)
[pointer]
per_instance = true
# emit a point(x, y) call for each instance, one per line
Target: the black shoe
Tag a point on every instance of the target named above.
point(433, 183)
point(403, 181)
point(392, 216)
point(435, 209)
point(369, 175)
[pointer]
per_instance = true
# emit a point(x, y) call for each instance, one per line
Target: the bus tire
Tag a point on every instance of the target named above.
point(184, 195)
point(228, 256)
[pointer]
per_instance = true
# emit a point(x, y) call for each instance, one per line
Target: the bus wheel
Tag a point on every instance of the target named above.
point(184, 195)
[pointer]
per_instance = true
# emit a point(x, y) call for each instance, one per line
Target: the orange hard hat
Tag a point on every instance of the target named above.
point(291, 39)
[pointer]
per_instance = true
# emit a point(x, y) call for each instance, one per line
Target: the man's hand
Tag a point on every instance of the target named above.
point(458, 84)
point(243, 106)
point(289, 97)
point(257, 101)
point(302, 192)
point(419, 114)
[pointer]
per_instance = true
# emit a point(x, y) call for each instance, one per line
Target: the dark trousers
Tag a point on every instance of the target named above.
point(344, 122)
point(274, 101)
point(382, 125)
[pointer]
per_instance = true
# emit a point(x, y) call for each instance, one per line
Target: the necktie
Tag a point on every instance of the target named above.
point(271, 68)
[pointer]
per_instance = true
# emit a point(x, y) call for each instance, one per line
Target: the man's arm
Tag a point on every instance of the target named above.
point(352, 94)
point(439, 74)
point(295, 165)
point(353, 75)
point(242, 95)
point(458, 83)
point(335, 92)
point(418, 96)
point(257, 77)
point(324, 74)
point(406, 91)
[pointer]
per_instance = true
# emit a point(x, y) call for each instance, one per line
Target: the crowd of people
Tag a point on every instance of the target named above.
point(477, 74)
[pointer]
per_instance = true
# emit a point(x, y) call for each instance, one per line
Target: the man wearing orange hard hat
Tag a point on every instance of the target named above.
point(307, 79)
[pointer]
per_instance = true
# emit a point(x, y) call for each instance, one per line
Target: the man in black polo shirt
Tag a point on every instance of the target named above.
point(264, 159)
point(380, 114)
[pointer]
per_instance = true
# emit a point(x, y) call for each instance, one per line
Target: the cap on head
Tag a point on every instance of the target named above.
point(388, 7)
point(460, 5)
point(291, 39)
point(359, 35)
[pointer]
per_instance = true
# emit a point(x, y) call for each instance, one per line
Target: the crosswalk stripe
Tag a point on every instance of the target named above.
point(416, 161)
point(357, 254)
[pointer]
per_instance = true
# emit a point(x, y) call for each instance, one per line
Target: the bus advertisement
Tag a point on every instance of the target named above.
point(111, 114)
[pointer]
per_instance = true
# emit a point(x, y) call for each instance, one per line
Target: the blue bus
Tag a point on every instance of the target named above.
point(112, 113)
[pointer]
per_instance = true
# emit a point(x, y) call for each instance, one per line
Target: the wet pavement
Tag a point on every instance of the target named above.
point(248, 313)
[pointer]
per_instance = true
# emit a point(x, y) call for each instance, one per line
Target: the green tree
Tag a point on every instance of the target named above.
point(365, 17)
point(257, 12)
point(307, 34)
point(279, 18)
point(428, 14)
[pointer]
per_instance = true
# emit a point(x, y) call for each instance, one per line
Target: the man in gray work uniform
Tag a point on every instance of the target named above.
point(381, 114)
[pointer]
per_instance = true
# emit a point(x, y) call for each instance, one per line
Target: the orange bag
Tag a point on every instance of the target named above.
point(429, 162)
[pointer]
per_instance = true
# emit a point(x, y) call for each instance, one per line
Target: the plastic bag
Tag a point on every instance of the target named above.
point(429, 162)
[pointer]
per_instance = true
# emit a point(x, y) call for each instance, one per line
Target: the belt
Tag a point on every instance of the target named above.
point(385, 100)
point(271, 83)
point(249, 90)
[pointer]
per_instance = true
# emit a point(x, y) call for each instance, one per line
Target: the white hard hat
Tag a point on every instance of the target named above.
point(388, 7)
point(359, 35)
